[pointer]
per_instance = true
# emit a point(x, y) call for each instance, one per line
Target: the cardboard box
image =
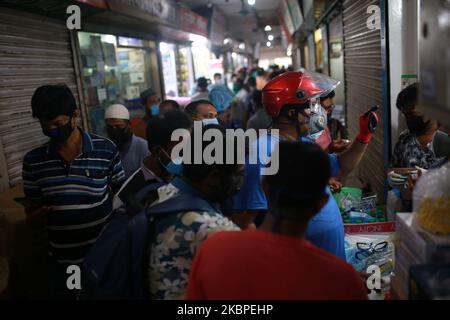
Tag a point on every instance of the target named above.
point(424, 245)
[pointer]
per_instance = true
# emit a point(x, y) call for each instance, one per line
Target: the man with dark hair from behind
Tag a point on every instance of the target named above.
point(283, 264)
point(70, 180)
point(158, 167)
point(202, 89)
point(177, 236)
point(168, 105)
point(260, 120)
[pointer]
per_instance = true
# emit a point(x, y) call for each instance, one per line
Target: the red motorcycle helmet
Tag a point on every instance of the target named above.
point(295, 88)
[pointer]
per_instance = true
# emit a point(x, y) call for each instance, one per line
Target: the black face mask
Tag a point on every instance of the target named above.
point(416, 125)
point(59, 134)
point(119, 136)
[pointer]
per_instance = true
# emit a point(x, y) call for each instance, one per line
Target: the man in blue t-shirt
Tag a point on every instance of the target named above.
point(287, 99)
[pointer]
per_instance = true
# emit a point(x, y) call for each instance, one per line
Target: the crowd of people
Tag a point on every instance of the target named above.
point(283, 235)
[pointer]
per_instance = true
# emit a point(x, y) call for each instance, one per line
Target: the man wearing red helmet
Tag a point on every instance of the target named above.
point(290, 100)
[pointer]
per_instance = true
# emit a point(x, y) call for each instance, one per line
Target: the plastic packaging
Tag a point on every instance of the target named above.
point(365, 250)
point(393, 204)
point(431, 200)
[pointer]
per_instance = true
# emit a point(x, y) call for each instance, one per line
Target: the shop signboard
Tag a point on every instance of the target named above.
point(192, 22)
point(296, 13)
point(145, 9)
point(130, 42)
point(286, 14)
point(218, 26)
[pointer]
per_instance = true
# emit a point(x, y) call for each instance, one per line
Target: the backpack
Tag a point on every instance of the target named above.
point(115, 267)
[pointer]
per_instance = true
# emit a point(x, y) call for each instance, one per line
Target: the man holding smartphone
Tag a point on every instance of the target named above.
point(71, 180)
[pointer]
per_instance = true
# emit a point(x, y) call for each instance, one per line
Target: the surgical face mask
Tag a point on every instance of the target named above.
point(416, 125)
point(120, 136)
point(154, 110)
point(318, 121)
point(59, 134)
point(209, 121)
point(173, 166)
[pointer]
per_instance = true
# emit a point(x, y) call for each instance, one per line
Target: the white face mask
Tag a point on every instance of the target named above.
point(209, 121)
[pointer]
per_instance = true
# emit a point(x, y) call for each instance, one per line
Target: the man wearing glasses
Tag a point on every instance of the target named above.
point(335, 135)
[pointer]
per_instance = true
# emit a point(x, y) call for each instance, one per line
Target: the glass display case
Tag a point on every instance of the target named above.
point(114, 70)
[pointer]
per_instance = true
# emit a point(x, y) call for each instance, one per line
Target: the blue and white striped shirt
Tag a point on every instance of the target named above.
point(78, 193)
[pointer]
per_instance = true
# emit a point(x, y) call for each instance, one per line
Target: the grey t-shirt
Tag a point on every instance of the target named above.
point(260, 120)
point(133, 156)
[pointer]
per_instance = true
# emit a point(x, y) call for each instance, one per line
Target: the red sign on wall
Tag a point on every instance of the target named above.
point(192, 22)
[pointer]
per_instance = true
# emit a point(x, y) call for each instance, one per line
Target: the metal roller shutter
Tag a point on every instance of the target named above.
point(364, 87)
point(34, 51)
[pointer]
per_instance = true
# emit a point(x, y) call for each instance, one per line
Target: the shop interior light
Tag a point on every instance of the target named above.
point(109, 38)
point(268, 43)
point(268, 28)
point(226, 41)
point(163, 47)
point(251, 2)
point(270, 37)
point(242, 46)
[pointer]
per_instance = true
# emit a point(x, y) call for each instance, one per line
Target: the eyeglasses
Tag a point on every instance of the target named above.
point(366, 249)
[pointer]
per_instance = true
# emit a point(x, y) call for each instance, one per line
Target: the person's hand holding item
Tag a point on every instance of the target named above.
point(368, 122)
point(397, 179)
point(334, 184)
point(414, 177)
point(340, 146)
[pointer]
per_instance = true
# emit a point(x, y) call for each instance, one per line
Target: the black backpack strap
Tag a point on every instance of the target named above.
point(133, 202)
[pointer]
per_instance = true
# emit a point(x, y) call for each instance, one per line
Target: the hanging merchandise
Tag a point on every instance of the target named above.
point(431, 200)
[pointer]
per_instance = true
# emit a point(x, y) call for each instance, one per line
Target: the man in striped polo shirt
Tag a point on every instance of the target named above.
point(71, 179)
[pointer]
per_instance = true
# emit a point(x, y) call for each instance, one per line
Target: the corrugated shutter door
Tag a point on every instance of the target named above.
point(34, 51)
point(363, 79)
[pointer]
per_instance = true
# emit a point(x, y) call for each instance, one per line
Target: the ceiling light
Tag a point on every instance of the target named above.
point(268, 28)
point(268, 43)
point(251, 2)
point(270, 37)
point(242, 46)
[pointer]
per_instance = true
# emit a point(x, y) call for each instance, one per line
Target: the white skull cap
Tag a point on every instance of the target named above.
point(117, 111)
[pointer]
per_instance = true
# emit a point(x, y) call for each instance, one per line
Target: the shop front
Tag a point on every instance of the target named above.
point(115, 69)
point(177, 70)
